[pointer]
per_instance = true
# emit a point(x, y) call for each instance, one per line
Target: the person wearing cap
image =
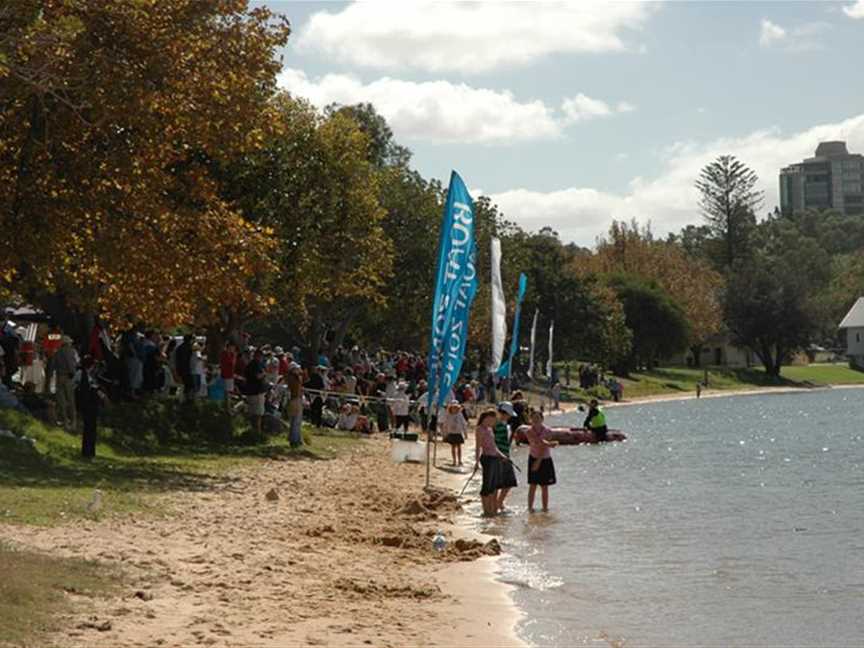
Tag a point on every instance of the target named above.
point(64, 363)
point(503, 439)
point(454, 429)
point(401, 406)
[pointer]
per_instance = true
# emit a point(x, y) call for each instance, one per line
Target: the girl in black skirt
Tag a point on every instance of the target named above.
point(454, 429)
point(489, 457)
point(541, 470)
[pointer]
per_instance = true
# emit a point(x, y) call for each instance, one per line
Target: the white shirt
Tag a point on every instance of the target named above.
point(401, 404)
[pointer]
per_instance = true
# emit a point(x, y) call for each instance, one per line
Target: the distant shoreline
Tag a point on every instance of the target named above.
point(570, 407)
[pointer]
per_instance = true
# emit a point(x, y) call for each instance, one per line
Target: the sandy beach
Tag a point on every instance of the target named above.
point(339, 554)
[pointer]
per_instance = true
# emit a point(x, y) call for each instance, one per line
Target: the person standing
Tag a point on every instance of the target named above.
point(596, 421)
point(227, 362)
point(317, 385)
point(454, 429)
point(89, 399)
point(294, 380)
point(382, 409)
point(183, 360)
point(503, 439)
point(489, 457)
point(65, 363)
point(541, 469)
point(256, 389)
point(401, 404)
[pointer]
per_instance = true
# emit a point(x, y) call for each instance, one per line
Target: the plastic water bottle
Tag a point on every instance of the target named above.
point(439, 542)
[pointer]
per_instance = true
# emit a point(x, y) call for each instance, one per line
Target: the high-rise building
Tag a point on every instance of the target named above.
point(832, 179)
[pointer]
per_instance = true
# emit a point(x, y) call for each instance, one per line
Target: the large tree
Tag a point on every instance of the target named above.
point(112, 114)
point(315, 188)
point(690, 281)
point(729, 200)
point(658, 324)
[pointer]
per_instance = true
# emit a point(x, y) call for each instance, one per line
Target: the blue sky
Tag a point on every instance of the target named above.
point(572, 114)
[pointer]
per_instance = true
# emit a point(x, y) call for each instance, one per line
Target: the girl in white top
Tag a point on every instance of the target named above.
point(454, 429)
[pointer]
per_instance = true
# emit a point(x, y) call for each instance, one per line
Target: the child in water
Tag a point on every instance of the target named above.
point(541, 470)
point(503, 439)
point(489, 457)
point(454, 429)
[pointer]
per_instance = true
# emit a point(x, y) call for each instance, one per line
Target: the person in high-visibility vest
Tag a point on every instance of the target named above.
point(596, 421)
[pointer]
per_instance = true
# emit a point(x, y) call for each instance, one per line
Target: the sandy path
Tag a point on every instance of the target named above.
point(338, 559)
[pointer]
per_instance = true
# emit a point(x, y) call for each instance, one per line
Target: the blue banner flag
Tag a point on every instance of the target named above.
point(455, 287)
point(506, 366)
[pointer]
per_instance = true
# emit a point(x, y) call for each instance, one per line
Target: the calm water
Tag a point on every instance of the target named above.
point(722, 522)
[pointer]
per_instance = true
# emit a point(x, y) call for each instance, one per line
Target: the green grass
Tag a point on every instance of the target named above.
point(825, 374)
point(681, 380)
point(52, 483)
point(35, 592)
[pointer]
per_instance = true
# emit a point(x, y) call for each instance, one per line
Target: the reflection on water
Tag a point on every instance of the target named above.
point(721, 522)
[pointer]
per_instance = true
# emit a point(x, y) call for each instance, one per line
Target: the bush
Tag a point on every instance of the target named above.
point(172, 421)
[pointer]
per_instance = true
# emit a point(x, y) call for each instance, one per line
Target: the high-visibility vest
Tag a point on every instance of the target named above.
point(599, 419)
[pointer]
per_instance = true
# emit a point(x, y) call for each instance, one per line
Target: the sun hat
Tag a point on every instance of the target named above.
point(507, 408)
point(279, 351)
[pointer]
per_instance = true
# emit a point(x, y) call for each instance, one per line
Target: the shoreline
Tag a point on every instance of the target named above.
point(493, 600)
point(570, 407)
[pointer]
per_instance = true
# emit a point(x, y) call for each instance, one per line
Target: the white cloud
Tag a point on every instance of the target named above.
point(582, 107)
point(770, 33)
point(442, 111)
point(802, 38)
point(469, 37)
point(855, 10)
point(669, 201)
point(433, 110)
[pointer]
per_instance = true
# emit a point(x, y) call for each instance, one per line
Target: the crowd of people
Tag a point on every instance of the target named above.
point(354, 390)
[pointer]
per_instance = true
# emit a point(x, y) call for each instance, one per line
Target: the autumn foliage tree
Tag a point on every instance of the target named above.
point(112, 116)
point(315, 188)
point(691, 282)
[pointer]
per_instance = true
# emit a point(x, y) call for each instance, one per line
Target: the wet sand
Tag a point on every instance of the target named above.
point(342, 557)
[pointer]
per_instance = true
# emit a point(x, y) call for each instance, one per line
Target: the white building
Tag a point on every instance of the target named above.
point(853, 324)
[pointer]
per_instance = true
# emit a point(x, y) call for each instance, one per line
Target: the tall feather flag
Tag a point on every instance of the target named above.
point(507, 366)
point(499, 308)
point(533, 339)
point(549, 360)
point(455, 288)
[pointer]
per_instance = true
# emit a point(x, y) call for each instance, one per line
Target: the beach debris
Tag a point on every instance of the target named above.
point(439, 542)
point(95, 503)
point(144, 595)
point(272, 495)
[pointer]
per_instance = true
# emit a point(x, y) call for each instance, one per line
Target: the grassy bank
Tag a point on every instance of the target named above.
point(37, 590)
point(49, 482)
point(681, 380)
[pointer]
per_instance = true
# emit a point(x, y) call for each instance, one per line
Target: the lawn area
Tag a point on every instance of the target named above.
point(825, 374)
point(36, 590)
point(50, 482)
point(681, 380)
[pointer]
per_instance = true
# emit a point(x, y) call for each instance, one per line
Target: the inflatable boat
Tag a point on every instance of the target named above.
point(571, 436)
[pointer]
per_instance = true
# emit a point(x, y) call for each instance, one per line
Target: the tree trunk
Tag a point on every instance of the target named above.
point(696, 350)
point(313, 341)
point(342, 330)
